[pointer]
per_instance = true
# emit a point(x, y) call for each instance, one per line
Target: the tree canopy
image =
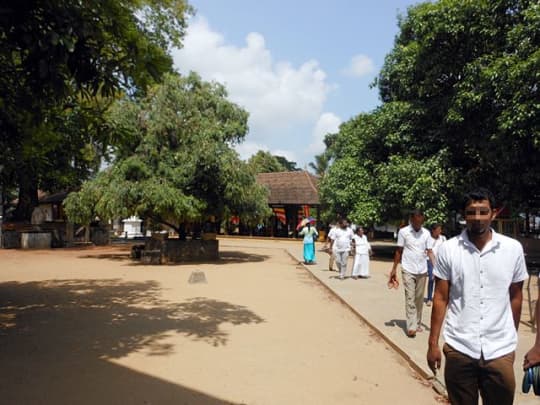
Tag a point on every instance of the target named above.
point(61, 62)
point(321, 164)
point(460, 109)
point(175, 161)
point(287, 164)
point(265, 162)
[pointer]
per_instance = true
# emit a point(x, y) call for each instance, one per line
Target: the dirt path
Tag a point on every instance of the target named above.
point(90, 327)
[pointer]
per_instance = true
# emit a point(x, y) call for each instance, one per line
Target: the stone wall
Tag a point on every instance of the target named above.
point(36, 240)
point(178, 251)
point(11, 239)
point(100, 235)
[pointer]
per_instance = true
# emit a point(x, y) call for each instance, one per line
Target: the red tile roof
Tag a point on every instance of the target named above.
point(299, 187)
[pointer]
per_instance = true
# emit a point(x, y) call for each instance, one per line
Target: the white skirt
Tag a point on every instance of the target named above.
point(361, 266)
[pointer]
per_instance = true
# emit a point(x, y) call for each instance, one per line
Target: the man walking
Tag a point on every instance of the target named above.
point(329, 238)
point(411, 252)
point(478, 283)
point(341, 246)
point(436, 239)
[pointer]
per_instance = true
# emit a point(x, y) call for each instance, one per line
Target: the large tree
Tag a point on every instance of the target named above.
point(265, 162)
point(60, 60)
point(175, 162)
point(468, 73)
point(460, 108)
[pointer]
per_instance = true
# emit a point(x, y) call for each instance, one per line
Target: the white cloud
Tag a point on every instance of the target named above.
point(328, 123)
point(360, 65)
point(278, 96)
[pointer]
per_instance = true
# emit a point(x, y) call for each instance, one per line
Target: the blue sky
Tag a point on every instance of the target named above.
point(300, 68)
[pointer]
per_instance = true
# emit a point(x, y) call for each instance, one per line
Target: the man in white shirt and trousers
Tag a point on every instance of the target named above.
point(413, 246)
point(340, 243)
point(478, 284)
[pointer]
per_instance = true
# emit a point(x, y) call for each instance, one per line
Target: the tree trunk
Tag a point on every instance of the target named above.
point(28, 197)
point(182, 231)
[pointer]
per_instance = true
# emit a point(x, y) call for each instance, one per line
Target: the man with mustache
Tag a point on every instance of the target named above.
point(478, 283)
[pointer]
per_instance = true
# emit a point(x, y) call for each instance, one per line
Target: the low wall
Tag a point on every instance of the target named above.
point(36, 240)
point(100, 235)
point(11, 240)
point(531, 246)
point(178, 251)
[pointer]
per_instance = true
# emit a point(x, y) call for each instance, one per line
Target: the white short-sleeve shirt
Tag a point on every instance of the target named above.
point(479, 315)
point(414, 244)
point(342, 239)
point(434, 244)
point(331, 233)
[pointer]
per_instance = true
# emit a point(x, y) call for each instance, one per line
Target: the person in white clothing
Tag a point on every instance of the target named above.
point(328, 247)
point(341, 246)
point(479, 277)
point(362, 251)
point(411, 252)
point(435, 241)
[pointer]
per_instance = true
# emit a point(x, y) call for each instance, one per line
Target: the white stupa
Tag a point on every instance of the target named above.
point(132, 227)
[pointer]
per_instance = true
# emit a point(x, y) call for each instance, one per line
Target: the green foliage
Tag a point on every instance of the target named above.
point(265, 162)
point(61, 63)
point(347, 191)
point(174, 162)
point(289, 166)
point(321, 164)
point(53, 48)
point(460, 109)
point(405, 183)
point(470, 72)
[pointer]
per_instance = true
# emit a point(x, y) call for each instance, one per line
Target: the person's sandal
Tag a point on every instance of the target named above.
point(411, 333)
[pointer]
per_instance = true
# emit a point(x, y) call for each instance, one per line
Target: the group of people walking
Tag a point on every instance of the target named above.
point(342, 239)
point(474, 285)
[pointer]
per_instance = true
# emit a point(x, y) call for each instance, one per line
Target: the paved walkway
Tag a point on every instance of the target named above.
point(384, 311)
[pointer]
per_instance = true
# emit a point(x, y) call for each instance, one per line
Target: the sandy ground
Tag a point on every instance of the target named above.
point(89, 326)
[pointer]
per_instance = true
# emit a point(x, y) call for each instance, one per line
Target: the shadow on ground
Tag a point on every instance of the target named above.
point(225, 257)
point(383, 253)
point(58, 339)
point(402, 324)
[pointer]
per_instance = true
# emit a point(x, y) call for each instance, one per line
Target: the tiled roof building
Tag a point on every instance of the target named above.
point(298, 188)
point(292, 197)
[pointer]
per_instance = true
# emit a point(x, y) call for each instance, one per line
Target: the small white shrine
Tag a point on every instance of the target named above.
point(132, 227)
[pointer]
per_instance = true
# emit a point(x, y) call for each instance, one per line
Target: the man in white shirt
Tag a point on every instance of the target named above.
point(328, 246)
point(341, 246)
point(436, 239)
point(411, 252)
point(478, 283)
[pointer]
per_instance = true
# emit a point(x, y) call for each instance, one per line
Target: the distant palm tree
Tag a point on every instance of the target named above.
point(320, 166)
